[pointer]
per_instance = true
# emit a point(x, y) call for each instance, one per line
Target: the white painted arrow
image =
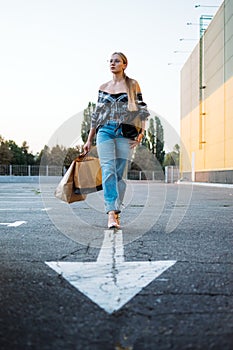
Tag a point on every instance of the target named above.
point(13, 224)
point(111, 281)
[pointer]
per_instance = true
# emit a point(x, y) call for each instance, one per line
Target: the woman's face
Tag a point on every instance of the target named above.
point(116, 64)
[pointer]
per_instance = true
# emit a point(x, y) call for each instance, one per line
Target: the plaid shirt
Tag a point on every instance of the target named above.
point(115, 107)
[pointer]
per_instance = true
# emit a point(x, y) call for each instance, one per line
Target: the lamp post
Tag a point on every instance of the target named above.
point(192, 24)
point(182, 39)
point(181, 51)
point(205, 6)
point(174, 64)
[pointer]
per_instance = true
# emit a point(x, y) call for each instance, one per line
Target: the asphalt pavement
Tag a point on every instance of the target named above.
point(141, 305)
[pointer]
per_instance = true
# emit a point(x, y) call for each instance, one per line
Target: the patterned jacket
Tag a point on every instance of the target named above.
point(115, 107)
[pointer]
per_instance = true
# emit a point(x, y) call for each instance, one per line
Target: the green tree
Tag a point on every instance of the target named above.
point(57, 155)
point(5, 153)
point(145, 141)
point(151, 136)
point(29, 157)
point(43, 156)
point(154, 139)
point(86, 124)
point(18, 154)
point(71, 154)
point(173, 158)
point(159, 141)
point(144, 160)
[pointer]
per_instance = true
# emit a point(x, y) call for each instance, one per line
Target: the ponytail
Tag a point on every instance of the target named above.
point(130, 85)
point(132, 93)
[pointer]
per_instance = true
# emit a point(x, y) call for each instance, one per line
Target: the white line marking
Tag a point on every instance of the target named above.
point(13, 224)
point(110, 282)
point(208, 184)
point(23, 209)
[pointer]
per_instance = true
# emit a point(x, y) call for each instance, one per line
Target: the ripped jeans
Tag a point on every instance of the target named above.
point(114, 151)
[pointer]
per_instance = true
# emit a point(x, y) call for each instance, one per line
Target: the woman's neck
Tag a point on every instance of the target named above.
point(118, 78)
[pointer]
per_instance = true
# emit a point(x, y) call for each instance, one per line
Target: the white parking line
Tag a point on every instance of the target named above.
point(25, 208)
point(13, 224)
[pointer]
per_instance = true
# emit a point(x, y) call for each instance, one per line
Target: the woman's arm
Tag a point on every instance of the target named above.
point(94, 117)
point(87, 146)
point(143, 113)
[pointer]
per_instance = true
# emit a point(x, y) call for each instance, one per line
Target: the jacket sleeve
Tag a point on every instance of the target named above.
point(95, 114)
point(142, 107)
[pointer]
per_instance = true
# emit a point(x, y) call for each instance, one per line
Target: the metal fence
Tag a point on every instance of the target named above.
point(52, 170)
point(172, 174)
point(32, 170)
point(145, 175)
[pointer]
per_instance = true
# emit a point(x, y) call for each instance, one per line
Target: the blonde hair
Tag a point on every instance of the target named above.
point(130, 85)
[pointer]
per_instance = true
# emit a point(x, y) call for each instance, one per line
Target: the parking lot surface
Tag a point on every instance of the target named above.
point(165, 281)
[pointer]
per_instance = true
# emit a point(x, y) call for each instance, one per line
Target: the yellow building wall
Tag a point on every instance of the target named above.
point(217, 133)
point(207, 116)
point(229, 123)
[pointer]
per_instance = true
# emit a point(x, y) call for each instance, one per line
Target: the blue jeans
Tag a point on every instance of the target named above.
point(113, 150)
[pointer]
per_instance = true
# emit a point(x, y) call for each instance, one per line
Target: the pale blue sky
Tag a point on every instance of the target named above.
point(54, 57)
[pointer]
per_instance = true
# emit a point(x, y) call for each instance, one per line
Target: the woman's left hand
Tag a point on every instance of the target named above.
point(136, 142)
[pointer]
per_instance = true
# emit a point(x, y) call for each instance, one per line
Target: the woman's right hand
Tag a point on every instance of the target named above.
point(87, 147)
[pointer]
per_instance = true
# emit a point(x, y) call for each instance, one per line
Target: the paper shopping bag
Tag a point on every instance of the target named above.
point(87, 175)
point(65, 189)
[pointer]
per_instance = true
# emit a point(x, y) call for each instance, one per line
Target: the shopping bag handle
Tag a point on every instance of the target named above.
point(81, 156)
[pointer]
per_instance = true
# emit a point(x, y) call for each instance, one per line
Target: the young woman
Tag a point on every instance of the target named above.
point(116, 100)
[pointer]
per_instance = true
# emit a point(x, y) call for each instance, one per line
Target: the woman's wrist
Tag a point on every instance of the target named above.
point(142, 133)
point(140, 137)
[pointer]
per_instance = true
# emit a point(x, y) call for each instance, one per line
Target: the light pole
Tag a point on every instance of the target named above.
point(174, 64)
point(205, 6)
point(182, 39)
point(181, 51)
point(192, 24)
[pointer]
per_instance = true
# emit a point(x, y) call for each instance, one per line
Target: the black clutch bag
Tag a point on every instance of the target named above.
point(130, 131)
